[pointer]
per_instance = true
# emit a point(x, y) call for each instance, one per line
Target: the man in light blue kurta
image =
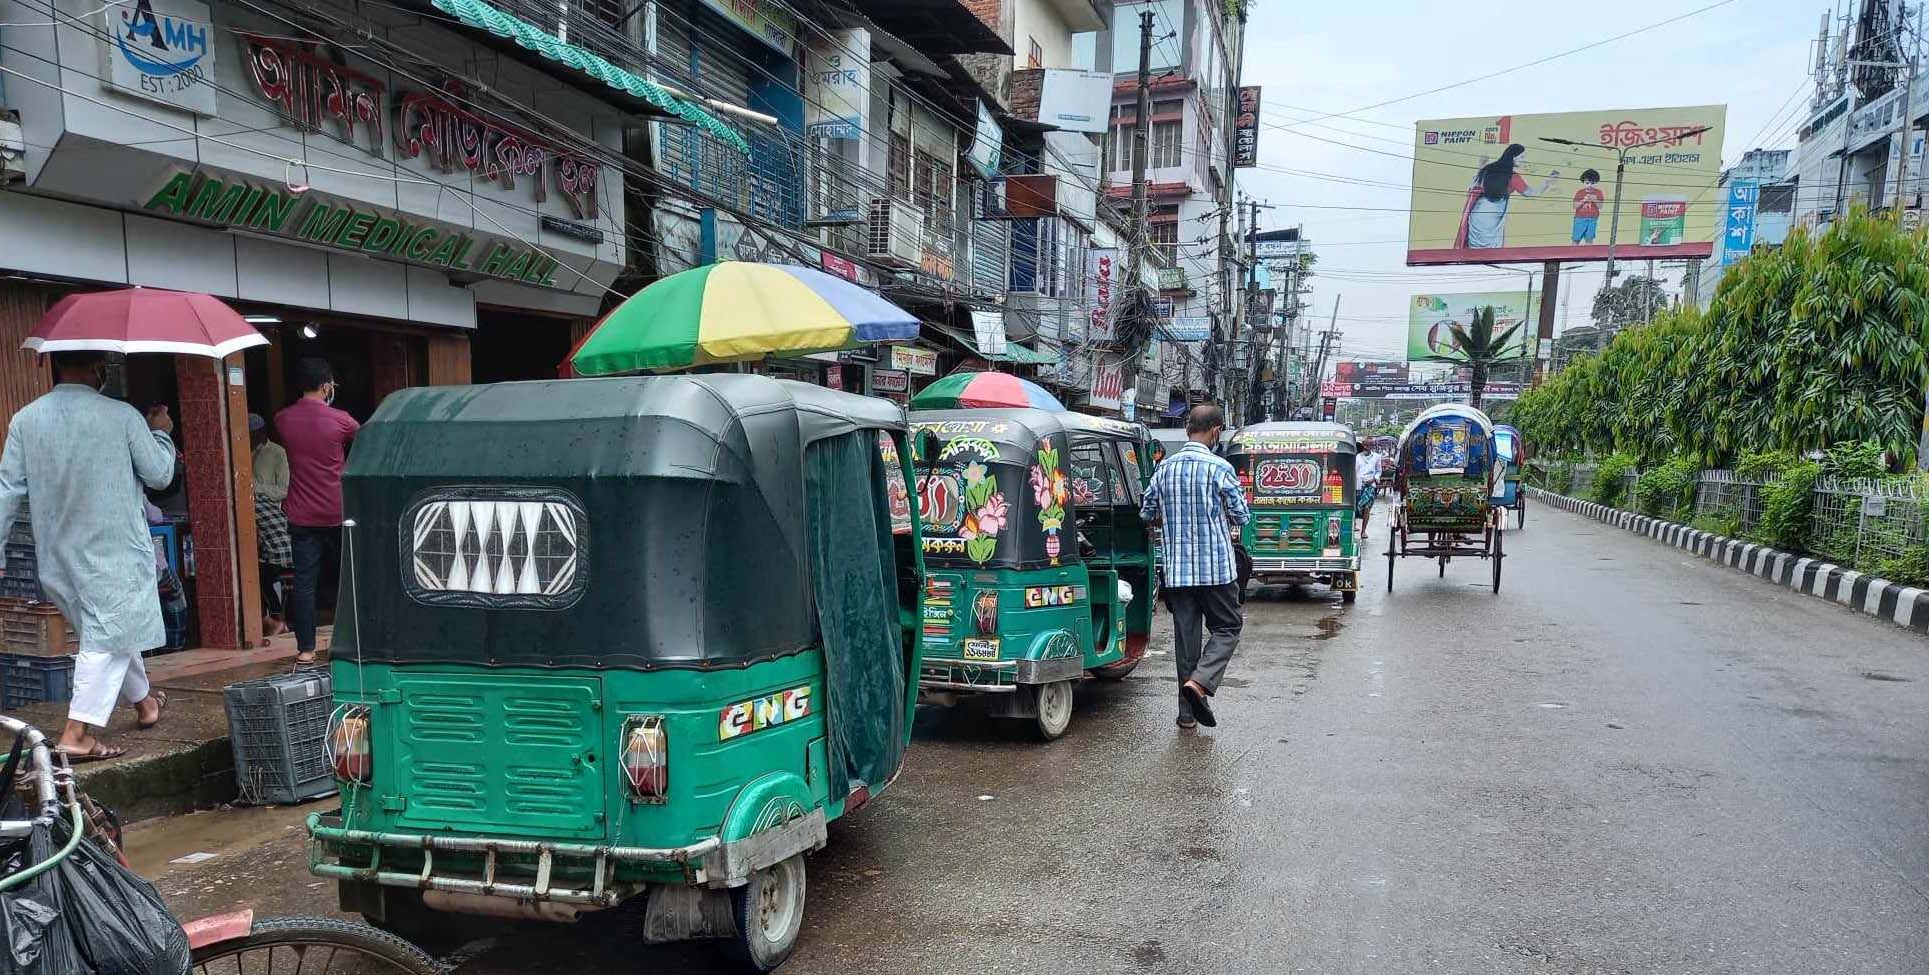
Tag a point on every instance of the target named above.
point(78, 459)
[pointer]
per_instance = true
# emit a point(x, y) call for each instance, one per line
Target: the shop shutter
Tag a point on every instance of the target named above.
point(990, 256)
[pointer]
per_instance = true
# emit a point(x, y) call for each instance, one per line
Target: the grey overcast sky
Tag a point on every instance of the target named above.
point(1313, 59)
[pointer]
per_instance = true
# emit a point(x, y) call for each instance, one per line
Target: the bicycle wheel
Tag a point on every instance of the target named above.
point(313, 946)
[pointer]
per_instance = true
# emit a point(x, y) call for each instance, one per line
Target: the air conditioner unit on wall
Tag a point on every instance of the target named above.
point(894, 233)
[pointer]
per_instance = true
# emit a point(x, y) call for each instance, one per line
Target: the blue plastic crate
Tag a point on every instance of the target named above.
point(28, 679)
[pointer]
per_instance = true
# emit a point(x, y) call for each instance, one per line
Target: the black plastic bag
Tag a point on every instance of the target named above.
point(117, 919)
point(38, 939)
point(87, 916)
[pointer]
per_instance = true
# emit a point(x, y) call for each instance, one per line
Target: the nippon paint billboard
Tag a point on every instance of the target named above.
point(1431, 318)
point(1541, 187)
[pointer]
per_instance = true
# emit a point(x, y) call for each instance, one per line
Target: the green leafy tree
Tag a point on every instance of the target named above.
point(1479, 346)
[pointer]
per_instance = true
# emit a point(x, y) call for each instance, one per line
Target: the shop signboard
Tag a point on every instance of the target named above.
point(840, 81)
point(160, 50)
point(988, 329)
point(264, 208)
point(1245, 129)
point(914, 360)
point(1431, 318)
point(1335, 388)
point(1108, 383)
point(768, 22)
point(1076, 101)
point(1189, 328)
point(1537, 187)
point(890, 381)
point(1101, 270)
point(1350, 371)
point(1738, 232)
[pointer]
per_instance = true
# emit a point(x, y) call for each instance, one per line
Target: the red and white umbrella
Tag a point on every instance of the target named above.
point(143, 320)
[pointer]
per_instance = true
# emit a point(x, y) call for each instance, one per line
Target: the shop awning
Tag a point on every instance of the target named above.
point(1013, 351)
point(481, 16)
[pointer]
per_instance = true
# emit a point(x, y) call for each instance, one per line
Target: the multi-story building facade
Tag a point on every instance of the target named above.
point(1193, 65)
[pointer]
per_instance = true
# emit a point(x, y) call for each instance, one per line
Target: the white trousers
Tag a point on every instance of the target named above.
point(100, 678)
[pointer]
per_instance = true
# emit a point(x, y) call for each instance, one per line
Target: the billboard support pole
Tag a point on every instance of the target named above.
point(1544, 347)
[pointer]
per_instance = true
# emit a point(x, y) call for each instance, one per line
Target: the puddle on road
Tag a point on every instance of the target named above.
point(1329, 627)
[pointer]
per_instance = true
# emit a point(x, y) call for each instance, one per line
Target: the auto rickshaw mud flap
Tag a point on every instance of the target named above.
point(770, 821)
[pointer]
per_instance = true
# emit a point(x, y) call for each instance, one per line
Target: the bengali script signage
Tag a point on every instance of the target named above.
point(1540, 187)
point(315, 94)
point(1245, 130)
point(1101, 269)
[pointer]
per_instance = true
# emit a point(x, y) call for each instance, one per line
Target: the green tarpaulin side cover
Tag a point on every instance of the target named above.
point(855, 572)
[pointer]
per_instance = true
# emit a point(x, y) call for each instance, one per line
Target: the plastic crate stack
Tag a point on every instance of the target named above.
point(36, 644)
point(279, 726)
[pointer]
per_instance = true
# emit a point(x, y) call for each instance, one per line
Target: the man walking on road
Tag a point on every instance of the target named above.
point(78, 459)
point(316, 436)
point(1195, 497)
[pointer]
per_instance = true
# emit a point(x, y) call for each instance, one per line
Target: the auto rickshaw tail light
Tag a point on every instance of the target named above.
point(350, 751)
point(646, 758)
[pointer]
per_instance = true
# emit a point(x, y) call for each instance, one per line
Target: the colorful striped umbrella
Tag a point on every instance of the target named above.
point(737, 311)
point(977, 390)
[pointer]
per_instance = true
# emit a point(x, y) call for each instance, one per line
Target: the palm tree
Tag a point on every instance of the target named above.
point(1476, 345)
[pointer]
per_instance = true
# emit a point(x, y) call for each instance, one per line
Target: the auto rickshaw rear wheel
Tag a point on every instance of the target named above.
point(769, 911)
point(1054, 708)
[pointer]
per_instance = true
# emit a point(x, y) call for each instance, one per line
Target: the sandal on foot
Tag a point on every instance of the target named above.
point(160, 705)
point(99, 751)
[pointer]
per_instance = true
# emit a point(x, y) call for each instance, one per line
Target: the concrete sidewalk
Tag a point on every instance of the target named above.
point(186, 762)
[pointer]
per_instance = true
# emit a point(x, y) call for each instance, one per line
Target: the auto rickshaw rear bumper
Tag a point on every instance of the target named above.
point(995, 676)
point(707, 862)
point(1264, 565)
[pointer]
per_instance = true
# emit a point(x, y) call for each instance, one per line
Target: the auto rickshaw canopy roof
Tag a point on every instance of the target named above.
point(669, 515)
point(1296, 437)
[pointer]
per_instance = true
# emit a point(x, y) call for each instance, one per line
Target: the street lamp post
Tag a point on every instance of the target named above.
point(1620, 168)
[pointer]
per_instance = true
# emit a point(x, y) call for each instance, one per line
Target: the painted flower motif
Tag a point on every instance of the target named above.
point(991, 517)
point(969, 530)
point(1041, 486)
point(1059, 490)
point(975, 474)
point(1082, 491)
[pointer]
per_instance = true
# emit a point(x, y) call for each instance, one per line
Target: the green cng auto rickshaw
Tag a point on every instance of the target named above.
point(611, 639)
point(1038, 570)
point(1298, 478)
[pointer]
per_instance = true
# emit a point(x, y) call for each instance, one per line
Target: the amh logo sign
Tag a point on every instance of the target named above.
point(160, 45)
point(161, 51)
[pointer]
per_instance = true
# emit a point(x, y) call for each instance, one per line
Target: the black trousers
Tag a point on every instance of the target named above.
point(313, 548)
point(1205, 629)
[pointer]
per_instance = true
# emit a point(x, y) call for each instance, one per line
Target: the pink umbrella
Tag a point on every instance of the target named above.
point(143, 320)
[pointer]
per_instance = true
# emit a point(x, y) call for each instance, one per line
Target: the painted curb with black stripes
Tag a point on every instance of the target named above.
point(1904, 606)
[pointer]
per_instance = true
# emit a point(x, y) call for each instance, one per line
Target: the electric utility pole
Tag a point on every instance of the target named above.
point(1141, 225)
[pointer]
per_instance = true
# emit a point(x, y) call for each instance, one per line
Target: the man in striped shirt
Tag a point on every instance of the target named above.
point(1195, 498)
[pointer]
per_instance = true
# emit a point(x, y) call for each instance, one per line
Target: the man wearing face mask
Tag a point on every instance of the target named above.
point(79, 459)
point(316, 436)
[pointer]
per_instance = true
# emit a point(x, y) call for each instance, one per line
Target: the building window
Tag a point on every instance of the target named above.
point(1164, 235)
point(933, 187)
point(899, 166)
point(1037, 58)
point(1168, 106)
point(1167, 144)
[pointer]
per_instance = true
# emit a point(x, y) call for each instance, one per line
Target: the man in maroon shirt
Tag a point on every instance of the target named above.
point(316, 436)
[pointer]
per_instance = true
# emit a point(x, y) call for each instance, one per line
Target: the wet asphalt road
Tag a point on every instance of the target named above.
point(1629, 761)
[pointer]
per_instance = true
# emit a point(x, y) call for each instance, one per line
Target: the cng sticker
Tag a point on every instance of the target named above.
point(744, 717)
point(1037, 596)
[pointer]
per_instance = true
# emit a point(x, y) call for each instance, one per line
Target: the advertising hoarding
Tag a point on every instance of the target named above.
point(1108, 383)
point(1101, 269)
point(1352, 371)
point(1430, 319)
point(840, 82)
point(1494, 188)
point(1738, 229)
